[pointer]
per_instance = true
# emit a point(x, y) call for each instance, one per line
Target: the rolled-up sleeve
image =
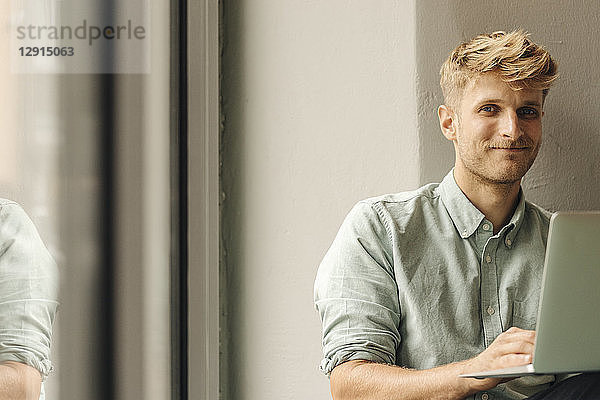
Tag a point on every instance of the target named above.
point(356, 293)
point(28, 291)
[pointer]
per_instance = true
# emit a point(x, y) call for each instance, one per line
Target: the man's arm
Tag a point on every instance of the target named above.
point(360, 379)
point(19, 381)
point(28, 303)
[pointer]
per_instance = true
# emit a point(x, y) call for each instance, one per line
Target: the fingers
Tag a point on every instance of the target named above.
point(516, 338)
point(518, 331)
point(516, 335)
point(518, 359)
point(513, 347)
point(514, 329)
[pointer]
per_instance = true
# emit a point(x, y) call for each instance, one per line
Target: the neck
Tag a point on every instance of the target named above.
point(497, 201)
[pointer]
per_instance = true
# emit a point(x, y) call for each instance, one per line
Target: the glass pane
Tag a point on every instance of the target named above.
point(57, 161)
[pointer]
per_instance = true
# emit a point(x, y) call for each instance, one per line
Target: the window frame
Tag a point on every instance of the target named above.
point(202, 194)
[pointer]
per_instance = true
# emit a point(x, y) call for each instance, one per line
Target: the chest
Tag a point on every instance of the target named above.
point(453, 287)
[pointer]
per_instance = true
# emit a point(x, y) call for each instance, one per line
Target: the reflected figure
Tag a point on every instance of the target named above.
point(28, 304)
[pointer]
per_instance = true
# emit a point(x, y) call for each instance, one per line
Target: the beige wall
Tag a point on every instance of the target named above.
point(326, 103)
point(320, 111)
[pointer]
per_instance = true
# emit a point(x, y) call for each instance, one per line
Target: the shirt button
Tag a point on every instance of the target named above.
point(486, 227)
point(491, 310)
point(485, 396)
point(488, 259)
point(508, 242)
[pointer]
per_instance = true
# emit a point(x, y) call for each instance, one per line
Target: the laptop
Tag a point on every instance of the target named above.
point(568, 323)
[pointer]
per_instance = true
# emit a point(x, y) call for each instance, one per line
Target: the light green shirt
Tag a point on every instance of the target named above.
point(418, 279)
point(28, 291)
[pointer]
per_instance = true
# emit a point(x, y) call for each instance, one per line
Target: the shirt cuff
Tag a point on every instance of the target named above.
point(33, 357)
point(340, 357)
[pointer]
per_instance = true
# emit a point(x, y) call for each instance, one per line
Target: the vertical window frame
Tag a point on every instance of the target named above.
point(203, 251)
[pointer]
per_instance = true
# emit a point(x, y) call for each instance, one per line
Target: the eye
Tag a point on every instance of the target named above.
point(488, 108)
point(528, 112)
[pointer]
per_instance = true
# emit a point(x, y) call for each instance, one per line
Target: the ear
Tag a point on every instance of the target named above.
point(448, 122)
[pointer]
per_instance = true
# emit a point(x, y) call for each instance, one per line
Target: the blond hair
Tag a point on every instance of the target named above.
point(519, 62)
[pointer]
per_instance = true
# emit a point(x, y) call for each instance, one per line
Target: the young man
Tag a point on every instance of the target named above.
point(420, 287)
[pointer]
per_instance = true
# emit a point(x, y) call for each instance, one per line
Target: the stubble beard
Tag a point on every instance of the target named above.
point(483, 169)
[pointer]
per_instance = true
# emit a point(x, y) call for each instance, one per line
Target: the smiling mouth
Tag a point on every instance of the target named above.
point(509, 148)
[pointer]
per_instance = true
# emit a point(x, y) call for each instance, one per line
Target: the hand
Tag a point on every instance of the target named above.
point(510, 349)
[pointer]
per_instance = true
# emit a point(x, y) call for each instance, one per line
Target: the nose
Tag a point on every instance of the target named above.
point(511, 127)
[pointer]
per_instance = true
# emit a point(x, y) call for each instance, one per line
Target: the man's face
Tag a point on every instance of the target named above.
point(498, 131)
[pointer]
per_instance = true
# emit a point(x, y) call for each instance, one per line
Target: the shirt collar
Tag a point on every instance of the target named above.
point(516, 221)
point(464, 214)
point(466, 217)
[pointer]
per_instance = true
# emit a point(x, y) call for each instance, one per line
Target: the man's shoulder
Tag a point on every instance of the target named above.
point(398, 211)
point(15, 222)
point(533, 210)
point(8, 202)
point(11, 210)
point(424, 193)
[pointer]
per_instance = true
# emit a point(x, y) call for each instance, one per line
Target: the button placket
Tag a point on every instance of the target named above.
point(483, 234)
point(492, 325)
